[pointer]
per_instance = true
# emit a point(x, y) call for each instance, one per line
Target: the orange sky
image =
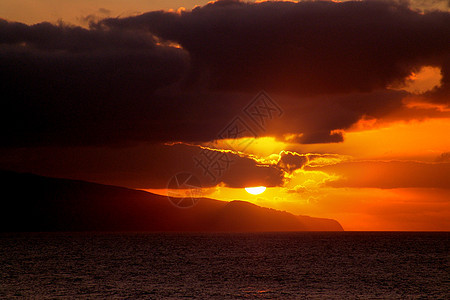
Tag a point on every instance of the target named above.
point(34, 11)
point(368, 208)
point(309, 192)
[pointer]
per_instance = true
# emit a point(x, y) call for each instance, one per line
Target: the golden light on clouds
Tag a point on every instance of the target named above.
point(312, 185)
point(310, 190)
point(263, 146)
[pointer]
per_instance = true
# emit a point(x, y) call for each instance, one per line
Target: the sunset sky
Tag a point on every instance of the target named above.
point(340, 109)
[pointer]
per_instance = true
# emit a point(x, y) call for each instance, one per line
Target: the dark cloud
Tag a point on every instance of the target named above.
point(305, 48)
point(68, 85)
point(315, 117)
point(127, 80)
point(441, 94)
point(141, 166)
point(291, 161)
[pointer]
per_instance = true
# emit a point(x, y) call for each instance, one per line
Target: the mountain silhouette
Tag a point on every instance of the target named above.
point(37, 203)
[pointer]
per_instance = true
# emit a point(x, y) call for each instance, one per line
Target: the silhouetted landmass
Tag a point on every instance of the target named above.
point(36, 203)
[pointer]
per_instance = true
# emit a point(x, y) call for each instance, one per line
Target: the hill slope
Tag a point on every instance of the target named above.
point(36, 203)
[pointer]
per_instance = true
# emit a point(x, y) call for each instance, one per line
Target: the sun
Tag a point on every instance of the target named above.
point(255, 190)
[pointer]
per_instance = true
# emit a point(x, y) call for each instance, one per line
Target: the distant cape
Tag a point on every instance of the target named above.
point(35, 203)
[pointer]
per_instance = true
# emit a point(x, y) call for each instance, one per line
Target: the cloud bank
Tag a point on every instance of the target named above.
point(164, 76)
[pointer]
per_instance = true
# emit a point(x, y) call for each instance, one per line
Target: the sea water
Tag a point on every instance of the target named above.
point(304, 265)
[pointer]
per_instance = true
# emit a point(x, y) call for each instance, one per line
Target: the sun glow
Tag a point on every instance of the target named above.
point(255, 190)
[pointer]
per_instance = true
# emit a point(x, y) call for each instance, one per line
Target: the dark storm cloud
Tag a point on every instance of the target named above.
point(441, 94)
point(291, 161)
point(142, 166)
point(315, 117)
point(68, 85)
point(125, 80)
point(307, 48)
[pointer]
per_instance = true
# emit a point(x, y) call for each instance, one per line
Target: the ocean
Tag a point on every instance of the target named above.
point(303, 265)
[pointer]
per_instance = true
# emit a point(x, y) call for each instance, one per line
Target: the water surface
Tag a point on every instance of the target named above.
point(307, 265)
